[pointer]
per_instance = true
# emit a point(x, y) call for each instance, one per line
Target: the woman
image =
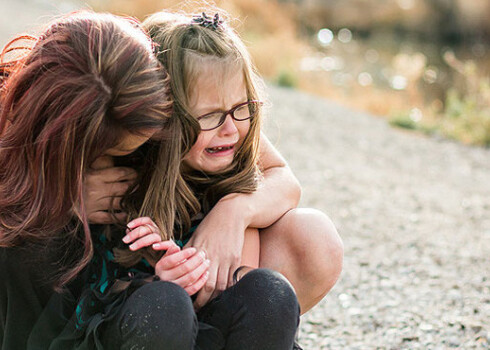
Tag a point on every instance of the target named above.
point(88, 86)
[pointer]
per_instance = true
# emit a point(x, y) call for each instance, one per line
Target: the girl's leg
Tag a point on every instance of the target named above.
point(261, 311)
point(305, 247)
point(159, 315)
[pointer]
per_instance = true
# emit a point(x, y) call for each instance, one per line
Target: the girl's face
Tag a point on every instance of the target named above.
point(214, 149)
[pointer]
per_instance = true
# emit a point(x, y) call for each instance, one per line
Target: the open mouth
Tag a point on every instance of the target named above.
point(214, 150)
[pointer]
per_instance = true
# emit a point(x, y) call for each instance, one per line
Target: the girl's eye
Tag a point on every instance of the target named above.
point(242, 112)
point(211, 116)
point(210, 120)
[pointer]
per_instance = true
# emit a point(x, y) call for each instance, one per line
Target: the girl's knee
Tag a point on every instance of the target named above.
point(159, 314)
point(160, 295)
point(269, 291)
point(317, 241)
point(316, 247)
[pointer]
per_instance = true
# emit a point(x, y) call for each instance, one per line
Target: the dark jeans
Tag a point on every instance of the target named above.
point(261, 311)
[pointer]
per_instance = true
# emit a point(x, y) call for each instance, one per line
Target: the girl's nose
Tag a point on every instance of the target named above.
point(228, 127)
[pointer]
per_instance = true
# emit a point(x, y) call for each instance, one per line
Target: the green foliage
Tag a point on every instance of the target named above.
point(403, 120)
point(467, 112)
point(466, 119)
point(286, 78)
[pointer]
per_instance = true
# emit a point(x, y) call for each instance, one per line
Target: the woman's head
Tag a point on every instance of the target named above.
point(211, 71)
point(89, 85)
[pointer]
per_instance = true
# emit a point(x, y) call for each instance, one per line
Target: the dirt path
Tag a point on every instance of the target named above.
point(414, 214)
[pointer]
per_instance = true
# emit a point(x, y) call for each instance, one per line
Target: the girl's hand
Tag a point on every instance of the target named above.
point(187, 268)
point(221, 235)
point(142, 232)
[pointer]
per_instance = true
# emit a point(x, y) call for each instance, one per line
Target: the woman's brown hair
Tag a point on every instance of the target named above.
point(86, 81)
point(185, 47)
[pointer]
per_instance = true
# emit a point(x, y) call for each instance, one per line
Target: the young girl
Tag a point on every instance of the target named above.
point(238, 180)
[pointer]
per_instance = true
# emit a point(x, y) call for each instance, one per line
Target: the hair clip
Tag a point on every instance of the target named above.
point(208, 22)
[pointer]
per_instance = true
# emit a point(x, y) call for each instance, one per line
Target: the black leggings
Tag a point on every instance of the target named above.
point(261, 311)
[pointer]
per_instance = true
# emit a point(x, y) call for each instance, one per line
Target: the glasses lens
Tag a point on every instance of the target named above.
point(246, 111)
point(210, 121)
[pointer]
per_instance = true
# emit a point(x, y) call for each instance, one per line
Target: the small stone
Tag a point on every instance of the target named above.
point(410, 338)
point(426, 327)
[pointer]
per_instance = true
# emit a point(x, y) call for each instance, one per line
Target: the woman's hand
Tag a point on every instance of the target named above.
point(187, 268)
point(104, 185)
point(221, 235)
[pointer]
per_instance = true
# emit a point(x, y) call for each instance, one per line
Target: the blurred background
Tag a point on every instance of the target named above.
point(421, 64)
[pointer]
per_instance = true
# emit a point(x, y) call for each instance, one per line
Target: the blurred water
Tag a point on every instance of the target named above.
point(388, 61)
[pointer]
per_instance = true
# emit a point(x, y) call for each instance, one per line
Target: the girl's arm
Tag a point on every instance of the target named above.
point(278, 192)
point(221, 232)
point(251, 248)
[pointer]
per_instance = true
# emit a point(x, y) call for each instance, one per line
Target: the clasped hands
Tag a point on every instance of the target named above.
point(188, 267)
point(219, 236)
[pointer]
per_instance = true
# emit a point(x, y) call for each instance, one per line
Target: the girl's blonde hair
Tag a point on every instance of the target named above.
point(185, 47)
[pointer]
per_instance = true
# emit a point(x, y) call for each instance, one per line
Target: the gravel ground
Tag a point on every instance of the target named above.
point(414, 215)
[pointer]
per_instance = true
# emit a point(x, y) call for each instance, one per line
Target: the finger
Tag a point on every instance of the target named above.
point(221, 282)
point(193, 275)
point(231, 271)
point(144, 220)
point(122, 174)
point(102, 162)
point(194, 288)
point(107, 202)
point(173, 250)
point(140, 232)
point(169, 246)
point(114, 189)
point(115, 174)
point(175, 259)
point(145, 241)
point(187, 267)
point(207, 290)
point(166, 271)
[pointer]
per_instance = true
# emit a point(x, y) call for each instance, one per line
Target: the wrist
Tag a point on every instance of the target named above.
point(239, 206)
point(240, 272)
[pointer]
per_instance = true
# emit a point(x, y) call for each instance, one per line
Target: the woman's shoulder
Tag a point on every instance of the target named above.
point(19, 265)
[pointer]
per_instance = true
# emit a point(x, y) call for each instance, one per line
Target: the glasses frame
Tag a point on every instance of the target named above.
point(231, 112)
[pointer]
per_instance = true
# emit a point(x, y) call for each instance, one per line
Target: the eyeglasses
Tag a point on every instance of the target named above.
point(242, 111)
